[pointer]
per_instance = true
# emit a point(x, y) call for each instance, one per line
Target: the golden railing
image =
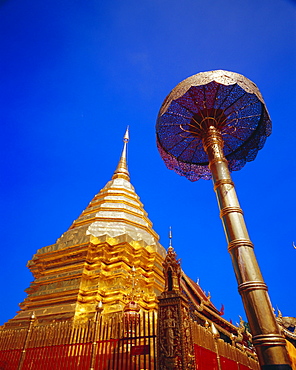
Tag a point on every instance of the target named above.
point(221, 351)
point(117, 345)
point(109, 344)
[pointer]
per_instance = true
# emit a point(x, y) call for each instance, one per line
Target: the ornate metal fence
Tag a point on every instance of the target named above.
point(214, 354)
point(110, 344)
point(103, 345)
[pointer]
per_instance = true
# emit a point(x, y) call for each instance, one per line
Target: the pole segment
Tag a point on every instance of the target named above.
point(27, 340)
point(94, 346)
point(267, 338)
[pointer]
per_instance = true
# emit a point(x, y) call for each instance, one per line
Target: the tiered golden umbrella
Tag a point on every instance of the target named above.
point(210, 124)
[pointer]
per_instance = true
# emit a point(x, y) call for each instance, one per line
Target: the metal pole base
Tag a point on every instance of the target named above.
point(276, 367)
point(267, 337)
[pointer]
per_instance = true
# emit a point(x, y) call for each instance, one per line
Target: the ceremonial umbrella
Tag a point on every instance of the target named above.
point(210, 124)
point(227, 100)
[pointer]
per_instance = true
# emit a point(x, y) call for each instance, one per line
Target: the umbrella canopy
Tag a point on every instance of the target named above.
point(226, 100)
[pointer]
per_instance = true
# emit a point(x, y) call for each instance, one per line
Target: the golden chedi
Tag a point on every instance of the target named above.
point(94, 259)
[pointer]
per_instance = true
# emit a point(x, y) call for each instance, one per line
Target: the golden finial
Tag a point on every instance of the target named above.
point(215, 332)
point(126, 135)
point(99, 307)
point(170, 237)
point(121, 170)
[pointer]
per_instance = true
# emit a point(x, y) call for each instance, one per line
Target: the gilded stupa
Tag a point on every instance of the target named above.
point(110, 244)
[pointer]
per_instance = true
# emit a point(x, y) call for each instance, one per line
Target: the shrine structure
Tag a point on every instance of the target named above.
point(108, 296)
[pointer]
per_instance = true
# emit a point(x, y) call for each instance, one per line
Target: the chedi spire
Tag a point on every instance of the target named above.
point(122, 170)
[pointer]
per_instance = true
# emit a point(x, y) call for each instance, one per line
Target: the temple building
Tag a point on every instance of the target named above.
point(108, 296)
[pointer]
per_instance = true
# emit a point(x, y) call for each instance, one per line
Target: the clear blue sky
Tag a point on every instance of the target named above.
point(75, 73)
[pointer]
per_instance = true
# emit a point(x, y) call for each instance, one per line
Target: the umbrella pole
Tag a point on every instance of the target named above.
point(267, 338)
